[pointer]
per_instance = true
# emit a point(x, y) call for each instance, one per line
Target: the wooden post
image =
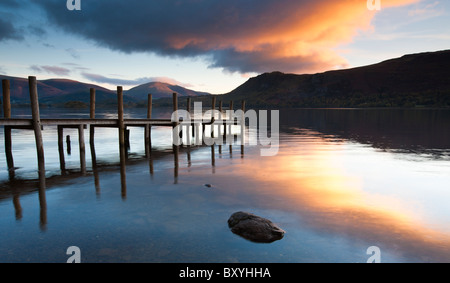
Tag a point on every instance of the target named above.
point(8, 138)
point(175, 147)
point(122, 149)
point(92, 141)
point(127, 138)
point(188, 109)
point(213, 116)
point(94, 168)
point(36, 120)
point(82, 148)
point(123, 177)
point(213, 156)
point(243, 129)
point(220, 117)
point(220, 124)
point(188, 104)
point(231, 122)
point(121, 124)
point(42, 204)
point(69, 147)
point(92, 116)
point(148, 128)
point(92, 104)
point(176, 123)
point(8, 151)
point(225, 123)
point(62, 163)
point(231, 115)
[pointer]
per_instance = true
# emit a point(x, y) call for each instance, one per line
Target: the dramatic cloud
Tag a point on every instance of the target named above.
point(237, 35)
point(51, 70)
point(115, 81)
point(10, 3)
point(8, 31)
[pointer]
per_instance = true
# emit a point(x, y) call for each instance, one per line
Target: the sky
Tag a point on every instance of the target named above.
point(210, 45)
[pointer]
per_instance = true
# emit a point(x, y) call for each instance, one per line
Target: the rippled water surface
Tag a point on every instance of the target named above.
point(342, 181)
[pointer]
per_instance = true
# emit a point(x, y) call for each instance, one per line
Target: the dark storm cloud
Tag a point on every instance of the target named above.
point(8, 31)
point(237, 35)
point(10, 3)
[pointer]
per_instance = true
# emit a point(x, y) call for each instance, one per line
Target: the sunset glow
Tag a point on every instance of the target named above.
point(211, 45)
point(315, 184)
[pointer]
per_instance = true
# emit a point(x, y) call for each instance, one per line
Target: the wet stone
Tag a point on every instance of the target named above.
point(254, 228)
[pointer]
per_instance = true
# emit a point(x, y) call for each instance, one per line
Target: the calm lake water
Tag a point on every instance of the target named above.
point(343, 181)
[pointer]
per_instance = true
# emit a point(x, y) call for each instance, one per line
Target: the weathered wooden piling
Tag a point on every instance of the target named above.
point(175, 120)
point(243, 128)
point(188, 109)
point(92, 115)
point(92, 139)
point(82, 148)
point(68, 145)
point(36, 122)
point(121, 127)
point(7, 129)
point(148, 128)
point(230, 121)
point(121, 124)
point(175, 146)
point(213, 115)
point(221, 125)
point(62, 163)
point(127, 138)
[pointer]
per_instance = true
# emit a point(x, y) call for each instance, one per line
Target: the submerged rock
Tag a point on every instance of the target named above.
point(254, 228)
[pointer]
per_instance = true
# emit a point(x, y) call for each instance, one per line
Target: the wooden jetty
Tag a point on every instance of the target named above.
point(37, 124)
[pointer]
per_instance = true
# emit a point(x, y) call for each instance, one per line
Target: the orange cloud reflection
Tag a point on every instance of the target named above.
point(310, 181)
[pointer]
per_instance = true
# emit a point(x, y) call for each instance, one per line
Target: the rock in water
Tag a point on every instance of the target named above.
point(254, 228)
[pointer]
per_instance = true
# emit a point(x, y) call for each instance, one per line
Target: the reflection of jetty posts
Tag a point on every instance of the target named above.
point(36, 124)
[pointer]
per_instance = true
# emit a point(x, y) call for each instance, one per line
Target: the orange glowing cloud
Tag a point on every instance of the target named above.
point(239, 36)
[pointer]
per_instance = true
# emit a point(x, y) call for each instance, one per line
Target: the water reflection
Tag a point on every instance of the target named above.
point(362, 183)
point(417, 131)
point(315, 177)
point(15, 187)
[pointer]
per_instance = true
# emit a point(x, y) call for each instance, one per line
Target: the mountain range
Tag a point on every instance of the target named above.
point(414, 80)
point(161, 90)
point(64, 92)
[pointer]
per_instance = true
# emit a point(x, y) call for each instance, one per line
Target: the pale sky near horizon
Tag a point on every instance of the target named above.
point(210, 45)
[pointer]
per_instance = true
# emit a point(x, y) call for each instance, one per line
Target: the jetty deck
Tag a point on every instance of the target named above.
point(37, 125)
